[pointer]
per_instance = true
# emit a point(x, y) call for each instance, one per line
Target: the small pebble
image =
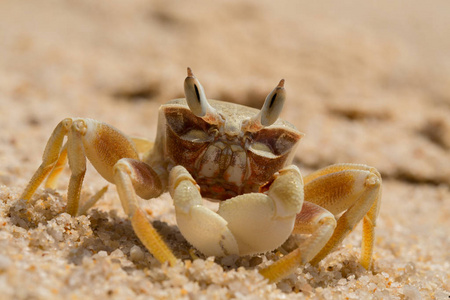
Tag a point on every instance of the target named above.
point(136, 253)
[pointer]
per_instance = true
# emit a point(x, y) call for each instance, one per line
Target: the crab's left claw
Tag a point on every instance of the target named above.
point(203, 228)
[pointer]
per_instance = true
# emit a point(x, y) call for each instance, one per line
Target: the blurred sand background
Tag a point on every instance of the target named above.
point(367, 82)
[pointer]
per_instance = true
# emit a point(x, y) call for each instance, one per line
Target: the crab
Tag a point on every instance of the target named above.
point(238, 156)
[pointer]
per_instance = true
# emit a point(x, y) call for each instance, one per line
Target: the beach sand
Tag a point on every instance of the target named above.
point(366, 82)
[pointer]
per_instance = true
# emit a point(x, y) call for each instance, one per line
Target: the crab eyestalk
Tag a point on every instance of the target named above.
point(270, 111)
point(196, 99)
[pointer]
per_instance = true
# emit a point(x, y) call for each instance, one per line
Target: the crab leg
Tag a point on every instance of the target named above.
point(52, 178)
point(77, 163)
point(314, 220)
point(114, 156)
point(50, 183)
point(49, 158)
point(91, 201)
point(135, 177)
point(143, 145)
point(368, 234)
point(355, 189)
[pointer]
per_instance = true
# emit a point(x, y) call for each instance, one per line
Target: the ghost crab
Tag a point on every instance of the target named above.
point(234, 154)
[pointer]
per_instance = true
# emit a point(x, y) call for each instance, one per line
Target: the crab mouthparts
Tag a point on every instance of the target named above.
point(213, 188)
point(222, 170)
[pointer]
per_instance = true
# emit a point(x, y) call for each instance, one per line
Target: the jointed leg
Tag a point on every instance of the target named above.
point(142, 145)
point(49, 158)
point(92, 201)
point(101, 143)
point(314, 220)
point(52, 178)
point(54, 156)
point(135, 177)
point(368, 234)
point(355, 189)
point(115, 158)
point(77, 163)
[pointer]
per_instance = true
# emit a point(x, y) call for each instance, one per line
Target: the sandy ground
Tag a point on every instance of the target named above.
point(366, 83)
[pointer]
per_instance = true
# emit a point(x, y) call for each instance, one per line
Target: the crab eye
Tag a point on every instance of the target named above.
point(195, 95)
point(269, 112)
point(273, 104)
point(197, 102)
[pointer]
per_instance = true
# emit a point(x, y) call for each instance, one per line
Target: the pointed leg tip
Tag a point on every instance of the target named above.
point(281, 83)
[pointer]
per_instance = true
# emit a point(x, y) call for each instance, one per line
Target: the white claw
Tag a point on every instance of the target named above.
point(203, 228)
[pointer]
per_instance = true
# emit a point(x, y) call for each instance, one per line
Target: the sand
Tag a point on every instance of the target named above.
point(367, 83)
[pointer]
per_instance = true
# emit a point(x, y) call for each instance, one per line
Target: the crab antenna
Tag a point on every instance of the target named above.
point(272, 106)
point(195, 95)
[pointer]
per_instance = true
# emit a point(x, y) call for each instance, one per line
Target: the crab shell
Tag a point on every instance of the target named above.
point(223, 154)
